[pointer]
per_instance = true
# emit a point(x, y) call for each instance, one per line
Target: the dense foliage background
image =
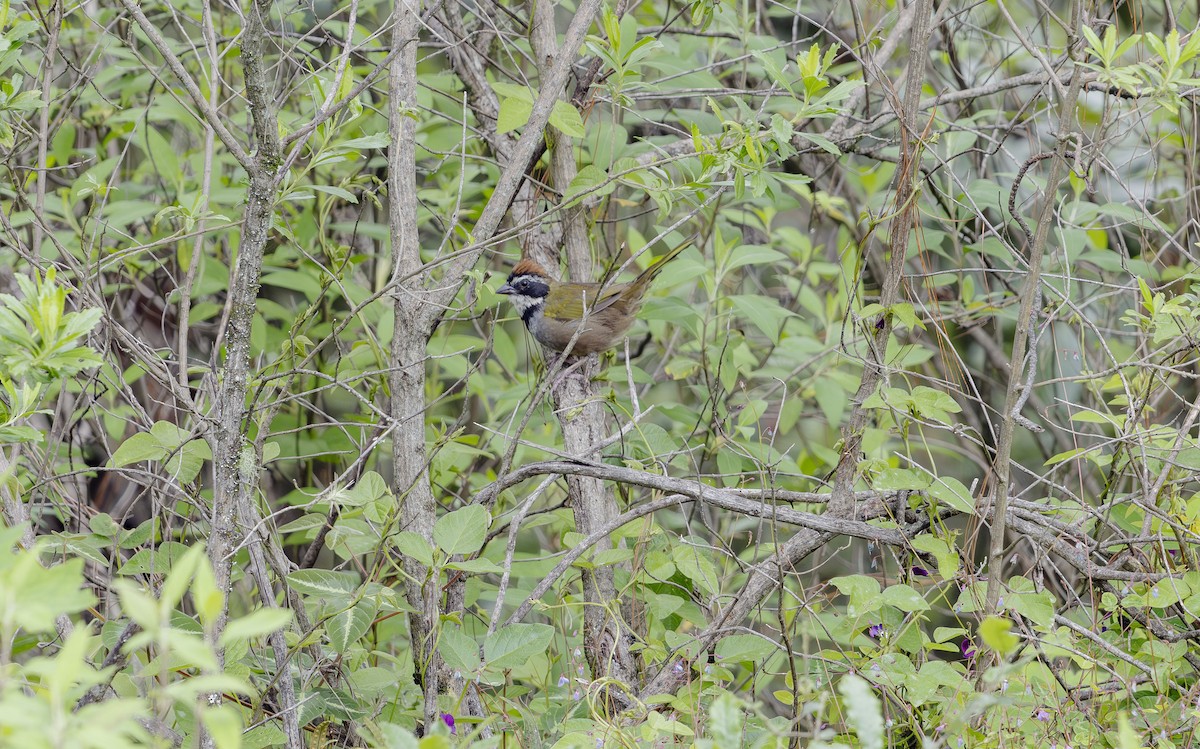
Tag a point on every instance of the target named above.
point(903, 453)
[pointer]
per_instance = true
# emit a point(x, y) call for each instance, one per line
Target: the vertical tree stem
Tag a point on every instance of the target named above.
point(409, 336)
point(1029, 292)
point(235, 461)
point(906, 213)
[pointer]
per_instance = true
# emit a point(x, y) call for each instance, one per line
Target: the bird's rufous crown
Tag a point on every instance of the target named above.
point(527, 267)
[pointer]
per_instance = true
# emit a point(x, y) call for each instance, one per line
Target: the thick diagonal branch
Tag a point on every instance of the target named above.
point(522, 155)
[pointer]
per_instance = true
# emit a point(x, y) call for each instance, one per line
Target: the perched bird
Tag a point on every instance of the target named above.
point(553, 311)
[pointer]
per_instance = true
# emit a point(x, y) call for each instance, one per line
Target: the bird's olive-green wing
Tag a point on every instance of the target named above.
point(567, 302)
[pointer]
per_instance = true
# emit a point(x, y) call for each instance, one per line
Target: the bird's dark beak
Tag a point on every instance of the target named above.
point(506, 289)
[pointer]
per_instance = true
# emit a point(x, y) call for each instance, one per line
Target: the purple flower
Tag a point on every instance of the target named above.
point(1042, 715)
point(448, 719)
point(920, 572)
point(968, 649)
point(563, 680)
point(875, 630)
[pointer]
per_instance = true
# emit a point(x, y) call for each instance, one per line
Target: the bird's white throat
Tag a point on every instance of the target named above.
point(523, 303)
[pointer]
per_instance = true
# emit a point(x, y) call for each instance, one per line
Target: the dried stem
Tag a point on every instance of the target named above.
point(1030, 291)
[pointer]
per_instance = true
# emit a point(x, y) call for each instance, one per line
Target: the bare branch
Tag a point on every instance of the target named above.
point(527, 146)
point(1030, 291)
point(211, 116)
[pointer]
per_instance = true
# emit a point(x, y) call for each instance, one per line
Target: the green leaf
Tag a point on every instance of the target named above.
point(762, 312)
point(1127, 738)
point(905, 598)
point(697, 566)
point(337, 192)
point(291, 280)
point(612, 556)
point(137, 448)
point(513, 645)
point(890, 479)
point(162, 155)
point(1067, 455)
point(1036, 607)
point(997, 634)
point(513, 91)
point(366, 490)
point(185, 462)
point(514, 113)
point(208, 599)
point(462, 531)
point(863, 592)
point(256, 624)
point(953, 493)
point(933, 404)
point(323, 583)
point(415, 546)
point(753, 255)
point(566, 119)
point(366, 143)
point(946, 555)
point(396, 737)
point(726, 721)
point(159, 560)
point(458, 649)
point(942, 634)
point(744, 648)
point(308, 522)
point(224, 724)
point(476, 566)
point(346, 627)
point(34, 595)
point(180, 575)
point(864, 712)
point(820, 141)
point(589, 180)
point(832, 400)
point(774, 70)
point(924, 685)
point(904, 314)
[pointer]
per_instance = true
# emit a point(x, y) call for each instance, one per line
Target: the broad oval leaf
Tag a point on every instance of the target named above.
point(458, 649)
point(462, 531)
point(346, 627)
point(322, 583)
point(514, 645)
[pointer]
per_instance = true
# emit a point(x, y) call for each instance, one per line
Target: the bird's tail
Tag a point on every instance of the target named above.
point(642, 282)
point(658, 264)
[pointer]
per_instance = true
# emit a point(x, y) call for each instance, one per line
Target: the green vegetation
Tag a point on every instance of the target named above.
point(901, 453)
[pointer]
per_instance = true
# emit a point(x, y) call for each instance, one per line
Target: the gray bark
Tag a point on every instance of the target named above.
point(409, 336)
